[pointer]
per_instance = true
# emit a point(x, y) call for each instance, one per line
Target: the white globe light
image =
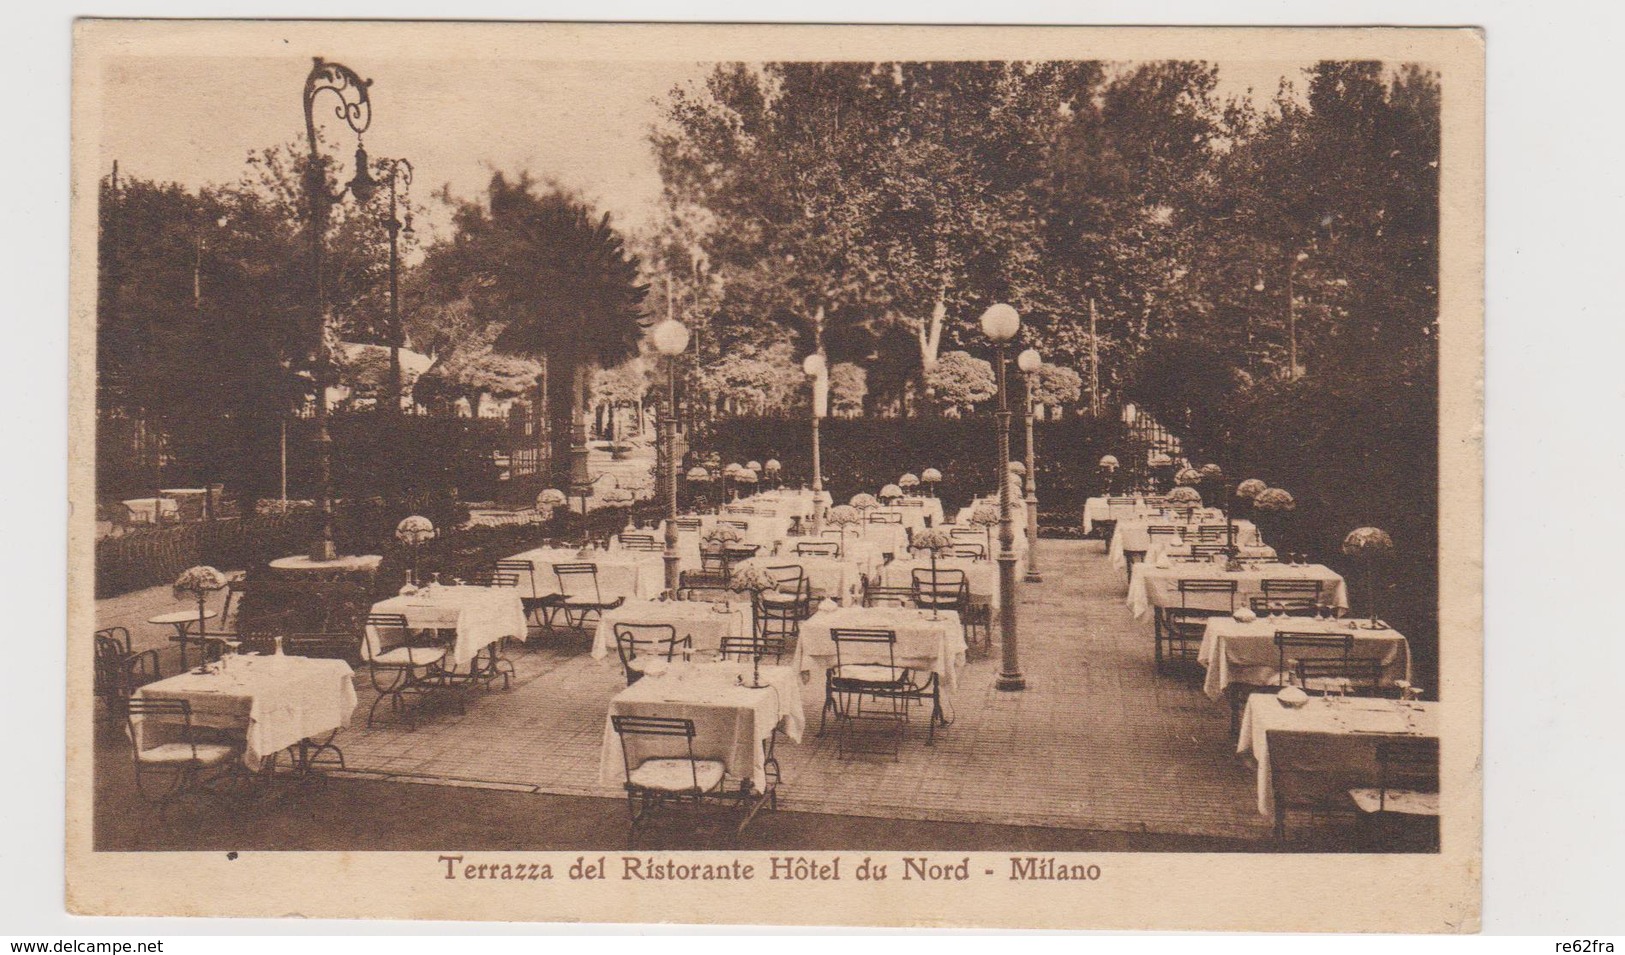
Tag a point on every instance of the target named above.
point(813, 364)
point(670, 337)
point(1000, 322)
point(1029, 361)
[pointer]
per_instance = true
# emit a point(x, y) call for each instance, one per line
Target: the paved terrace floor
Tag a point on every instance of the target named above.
point(1099, 743)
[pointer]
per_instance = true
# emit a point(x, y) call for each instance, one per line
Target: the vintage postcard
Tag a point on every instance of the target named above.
point(785, 475)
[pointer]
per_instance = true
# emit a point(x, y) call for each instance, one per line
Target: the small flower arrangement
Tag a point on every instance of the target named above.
point(751, 576)
point(1108, 462)
point(1274, 499)
point(890, 492)
point(414, 530)
point(772, 466)
point(1188, 477)
point(864, 502)
point(721, 536)
point(1212, 472)
point(198, 582)
point(745, 476)
point(908, 482)
point(1367, 542)
point(1248, 490)
point(1158, 459)
point(1017, 468)
point(698, 473)
point(933, 540)
point(984, 515)
point(931, 475)
point(552, 497)
point(1185, 495)
point(843, 515)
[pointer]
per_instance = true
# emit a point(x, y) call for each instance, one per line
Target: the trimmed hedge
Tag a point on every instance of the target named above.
point(863, 454)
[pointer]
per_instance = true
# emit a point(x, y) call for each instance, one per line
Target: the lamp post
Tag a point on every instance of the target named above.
point(355, 109)
point(670, 339)
point(400, 180)
point(1001, 323)
point(1029, 362)
point(816, 369)
point(1292, 316)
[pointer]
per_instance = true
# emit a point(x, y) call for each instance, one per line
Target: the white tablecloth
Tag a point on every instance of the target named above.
point(1097, 509)
point(732, 720)
point(785, 503)
point(1134, 533)
point(923, 644)
point(621, 573)
point(1361, 722)
point(759, 530)
point(981, 575)
point(1235, 652)
point(830, 576)
point(694, 619)
point(1153, 586)
point(276, 701)
point(480, 615)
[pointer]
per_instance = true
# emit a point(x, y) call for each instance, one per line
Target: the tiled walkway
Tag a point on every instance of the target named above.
point(1097, 741)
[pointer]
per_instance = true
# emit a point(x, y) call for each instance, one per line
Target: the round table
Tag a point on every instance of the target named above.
point(180, 620)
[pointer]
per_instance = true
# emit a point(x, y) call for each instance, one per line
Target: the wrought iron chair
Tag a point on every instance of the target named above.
point(689, 525)
point(1309, 773)
point(181, 757)
point(400, 661)
point(656, 641)
point(758, 647)
point(971, 550)
point(640, 542)
point(818, 548)
point(539, 609)
point(1291, 606)
point(119, 670)
point(855, 678)
point(876, 594)
point(669, 774)
point(885, 517)
point(1402, 810)
point(583, 598)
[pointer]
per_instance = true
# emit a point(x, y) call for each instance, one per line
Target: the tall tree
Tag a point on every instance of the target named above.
point(555, 280)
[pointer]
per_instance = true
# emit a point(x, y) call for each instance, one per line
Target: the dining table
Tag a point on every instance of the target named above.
point(981, 576)
point(150, 510)
point(927, 641)
point(1098, 509)
point(1134, 534)
point(277, 702)
point(737, 714)
point(622, 572)
point(1155, 585)
point(705, 624)
point(479, 617)
point(1352, 726)
point(1244, 653)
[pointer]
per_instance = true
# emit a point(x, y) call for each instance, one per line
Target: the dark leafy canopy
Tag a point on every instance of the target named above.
point(549, 279)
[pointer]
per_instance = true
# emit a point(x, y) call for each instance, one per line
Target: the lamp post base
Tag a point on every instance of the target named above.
point(1010, 681)
point(1033, 577)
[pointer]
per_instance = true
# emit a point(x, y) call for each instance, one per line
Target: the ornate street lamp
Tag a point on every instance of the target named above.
point(670, 338)
point(1030, 362)
point(355, 109)
point(1001, 323)
point(816, 369)
point(399, 173)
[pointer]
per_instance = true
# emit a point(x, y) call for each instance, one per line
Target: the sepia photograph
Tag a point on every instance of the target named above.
point(777, 456)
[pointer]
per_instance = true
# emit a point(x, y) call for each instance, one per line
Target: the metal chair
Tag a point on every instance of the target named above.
point(879, 595)
point(1291, 606)
point(640, 542)
point(818, 548)
point(1402, 810)
point(688, 525)
point(1180, 638)
point(1310, 772)
point(854, 679)
point(758, 647)
point(1210, 533)
point(188, 763)
point(973, 550)
point(778, 613)
point(583, 598)
point(399, 661)
point(493, 579)
point(1351, 676)
point(1207, 550)
point(656, 640)
point(1292, 587)
point(119, 670)
point(671, 774)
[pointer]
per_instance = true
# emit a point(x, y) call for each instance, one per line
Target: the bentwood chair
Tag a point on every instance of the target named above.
point(1402, 810)
point(119, 670)
point(645, 648)
point(661, 768)
point(402, 662)
point(583, 598)
point(172, 758)
point(778, 613)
